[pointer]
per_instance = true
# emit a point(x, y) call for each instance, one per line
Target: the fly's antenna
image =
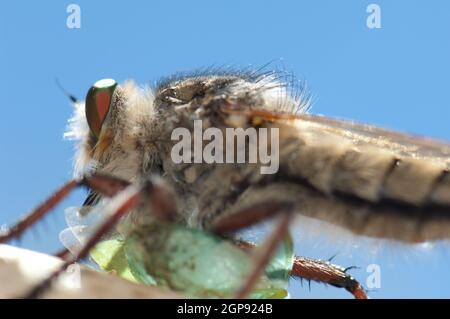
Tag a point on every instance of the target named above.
point(66, 93)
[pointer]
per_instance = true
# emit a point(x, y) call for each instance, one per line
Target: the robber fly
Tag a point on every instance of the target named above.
point(368, 180)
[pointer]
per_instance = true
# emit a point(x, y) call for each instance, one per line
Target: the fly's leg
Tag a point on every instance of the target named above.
point(118, 207)
point(38, 213)
point(108, 186)
point(306, 268)
point(322, 271)
point(63, 253)
point(319, 271)
point(264, 253)
point(123, 206)
point(248, 217)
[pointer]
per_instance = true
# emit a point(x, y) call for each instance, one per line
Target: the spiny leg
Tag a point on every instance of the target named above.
point(320, 271)
point(108, 186)
point(130, 201)
point(38, 213)
point(119, 206)
point(263, 256)
point(250, 216)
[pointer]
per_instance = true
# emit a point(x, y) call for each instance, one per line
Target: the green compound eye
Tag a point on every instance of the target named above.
point(98, 102)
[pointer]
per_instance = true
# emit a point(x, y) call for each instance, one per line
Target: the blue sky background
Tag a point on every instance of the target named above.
point(396, 76)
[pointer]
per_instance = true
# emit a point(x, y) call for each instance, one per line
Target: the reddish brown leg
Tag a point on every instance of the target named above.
point(108, 186)
point(320, 271)
point(263, 256)
point(119, 206)
point(63, 253)
point(30, 219)
point(248, 217)
point(123, 207)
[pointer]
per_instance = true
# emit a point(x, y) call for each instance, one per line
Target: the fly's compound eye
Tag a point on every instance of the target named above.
point(98, 103)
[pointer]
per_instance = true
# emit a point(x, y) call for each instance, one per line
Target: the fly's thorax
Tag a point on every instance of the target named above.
point(263, 90)
point(182, 103)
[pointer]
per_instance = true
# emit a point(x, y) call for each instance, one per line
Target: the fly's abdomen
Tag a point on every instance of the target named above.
point(335, 164)
point(366, 185)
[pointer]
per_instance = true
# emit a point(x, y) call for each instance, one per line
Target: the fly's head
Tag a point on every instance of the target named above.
point(111, 127)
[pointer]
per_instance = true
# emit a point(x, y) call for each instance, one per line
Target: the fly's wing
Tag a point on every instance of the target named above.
point(369, 163)
point(82, 222)
point(371, 181)
point(80, 227)
point(407, 145)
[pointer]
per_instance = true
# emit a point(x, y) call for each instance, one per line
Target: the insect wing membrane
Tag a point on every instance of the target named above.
point(369, 180)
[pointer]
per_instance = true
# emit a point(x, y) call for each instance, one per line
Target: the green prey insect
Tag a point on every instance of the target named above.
point(182, 259)
point(197, 262)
